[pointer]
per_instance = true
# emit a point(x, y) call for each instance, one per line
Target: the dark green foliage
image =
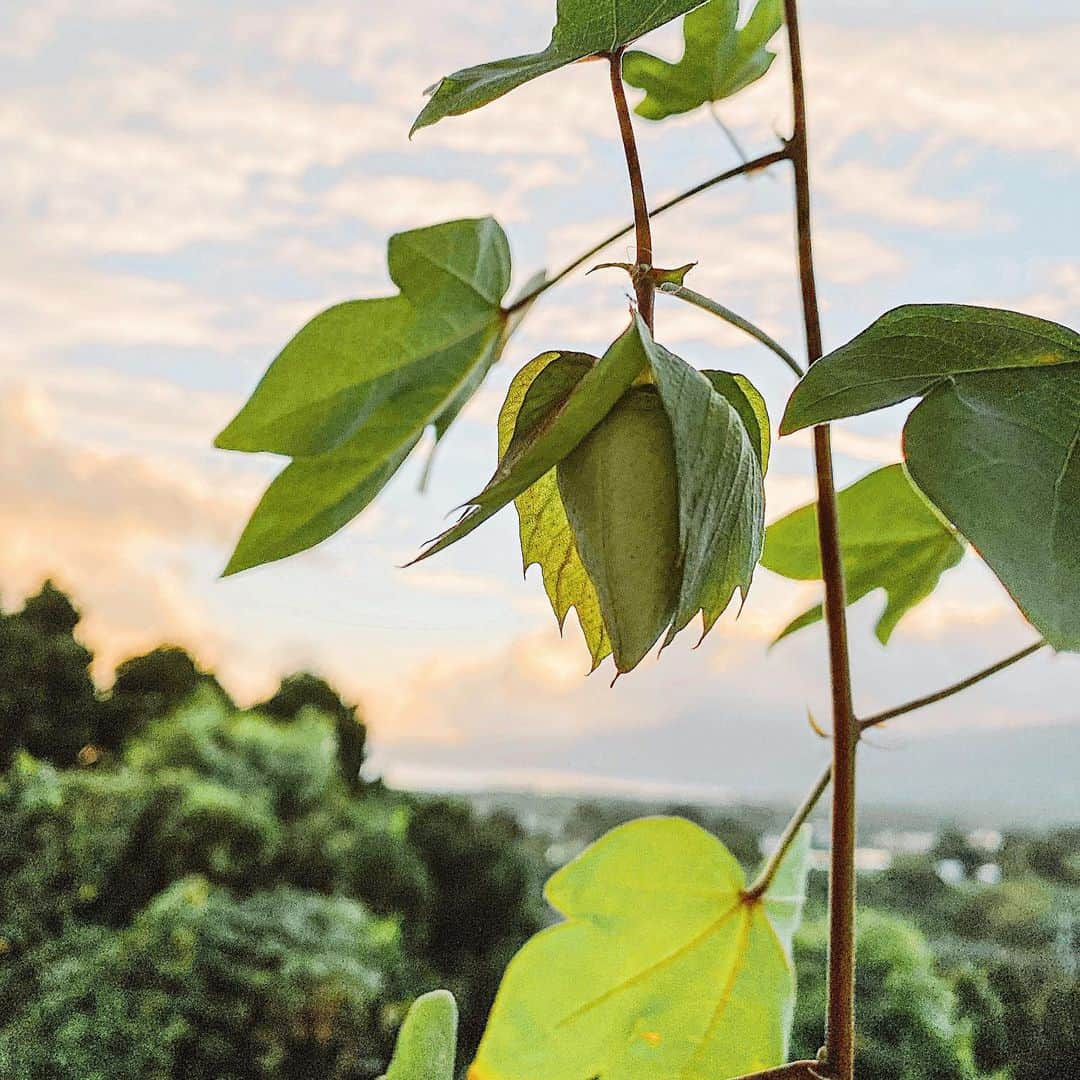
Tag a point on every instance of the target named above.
point(218, 902)
point(908, 1023)
point(146, 687)
point(307, 691)
point(48, 703)
point(203, 985)
point(484, 901)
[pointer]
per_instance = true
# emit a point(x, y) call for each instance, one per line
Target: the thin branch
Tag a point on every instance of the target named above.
point(644, 285)
point(729, 316)
point(755, 165)
point(736, 145)
point(948, 691)
point(840, 1030)
point(802, 815)
point(799, 818)
point(797, 1070)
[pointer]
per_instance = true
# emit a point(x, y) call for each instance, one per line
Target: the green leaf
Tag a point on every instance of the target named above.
point(549, 435)
point(745, 398)
point(993, 444)
point(583, 28)
point(352, 393)
point(911, 349)
point(718, 61)
point(546, 537)
point(427, 1041)
point(999, 454)
point(311, 499)
point(662, 970)
point(891, 539)
point(721, 489)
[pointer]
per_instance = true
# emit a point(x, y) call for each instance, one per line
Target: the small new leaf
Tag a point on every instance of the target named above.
point(719, 60)
point(891, 539)
point(427, 1041)
point(583, 28)
point(994, 444)
point(351, 394)
point(546, 537)
point(662, 969)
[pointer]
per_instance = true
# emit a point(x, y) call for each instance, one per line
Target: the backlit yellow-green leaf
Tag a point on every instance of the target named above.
point(546, 537)
point(662, 970)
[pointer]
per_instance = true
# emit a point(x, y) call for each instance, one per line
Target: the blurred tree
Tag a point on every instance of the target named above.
point(146, 687)
point(204, 986)
point(305, 690)
point(984, 1013)
point(48, 701)
point(908, 1027)
point(483, 903)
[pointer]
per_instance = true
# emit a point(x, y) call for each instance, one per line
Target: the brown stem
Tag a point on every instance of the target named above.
point(644, 285)
point(821, 786)
point(756, 165)
point(840, 1028)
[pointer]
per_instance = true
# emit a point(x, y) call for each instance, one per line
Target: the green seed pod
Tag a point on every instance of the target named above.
point(620, 491)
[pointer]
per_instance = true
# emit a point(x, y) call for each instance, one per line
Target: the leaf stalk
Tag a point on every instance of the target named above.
point(736, 320)
point(644, 286)
point(757, 164)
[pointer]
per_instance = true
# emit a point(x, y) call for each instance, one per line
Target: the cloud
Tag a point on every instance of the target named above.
point(115, 530)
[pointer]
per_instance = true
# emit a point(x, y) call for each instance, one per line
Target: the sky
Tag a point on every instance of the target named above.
point(186, 184)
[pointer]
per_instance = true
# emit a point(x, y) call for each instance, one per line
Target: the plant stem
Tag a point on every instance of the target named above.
point(948, 691)
point(796, 1070)
point(756, 165)
point(801, 815)
point(840, 1028)
point(729, 316)
point(798, 819)
point(644, 285)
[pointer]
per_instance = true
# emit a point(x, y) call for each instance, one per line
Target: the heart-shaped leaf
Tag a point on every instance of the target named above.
point(583, 28)
point(891, 539)
point(352, 393)
point(718, 61)
point(546, 538)
point(553, 428)
point(662, 969)
point(994, 443)
point(427, 1041)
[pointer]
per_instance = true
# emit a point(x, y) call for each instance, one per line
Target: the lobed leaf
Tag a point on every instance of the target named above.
point(546, 537)
point(351, 394)
point(993, 444)
point(721, 487)
point(552, 432)
point(891, 539)
point(718, 60)
point(583, 28)
point(662, 969)
point(427, 1041)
